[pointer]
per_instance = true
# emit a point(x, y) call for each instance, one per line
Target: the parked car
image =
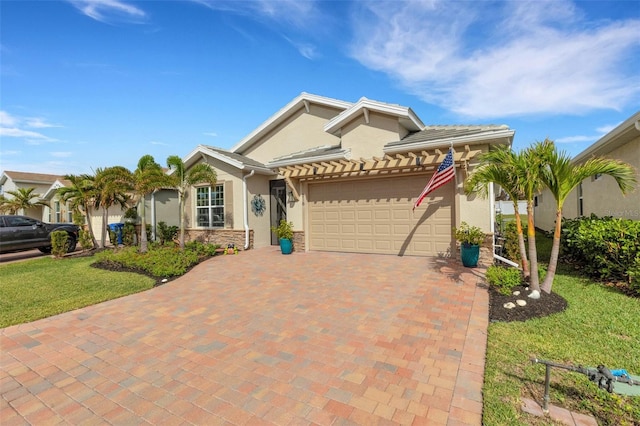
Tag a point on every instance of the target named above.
point(23, 233)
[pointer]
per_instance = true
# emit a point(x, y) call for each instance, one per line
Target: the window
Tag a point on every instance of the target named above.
point(580, 204)
point(210, 206)
point(596, 177)
point(56, 206)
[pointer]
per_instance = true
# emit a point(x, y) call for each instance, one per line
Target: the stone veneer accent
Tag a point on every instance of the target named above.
point(298, 241)
point(486, 252)
point(223, 237)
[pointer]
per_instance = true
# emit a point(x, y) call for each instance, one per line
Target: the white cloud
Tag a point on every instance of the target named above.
point(214, 134)
point(26, 134)
point(61, 154)
point(39, 123)
point(109, 10)
point(5, 153)
point(158, 143)
point(517, 58)
point(7, 120)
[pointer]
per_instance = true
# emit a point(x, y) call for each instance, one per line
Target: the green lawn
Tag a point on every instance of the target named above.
point(600, 326)
point(39, 288)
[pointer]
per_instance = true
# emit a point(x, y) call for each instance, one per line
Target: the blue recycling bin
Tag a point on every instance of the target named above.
point(117, 228)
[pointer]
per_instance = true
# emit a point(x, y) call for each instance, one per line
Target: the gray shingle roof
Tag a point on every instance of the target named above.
point(310, 153)
point(434, 133)
point(237, 157)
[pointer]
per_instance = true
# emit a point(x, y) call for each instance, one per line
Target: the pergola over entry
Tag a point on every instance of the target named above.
point(389, 164)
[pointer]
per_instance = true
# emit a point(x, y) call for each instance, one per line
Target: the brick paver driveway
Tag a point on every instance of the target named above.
point(262, 338)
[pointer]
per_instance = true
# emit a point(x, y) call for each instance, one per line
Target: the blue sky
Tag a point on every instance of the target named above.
point(87, 84)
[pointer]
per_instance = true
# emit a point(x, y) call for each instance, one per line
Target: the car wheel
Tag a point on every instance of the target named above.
point(72, 244)
point(45, 250)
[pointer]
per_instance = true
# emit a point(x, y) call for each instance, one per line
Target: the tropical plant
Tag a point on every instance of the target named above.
point(22, 200)
point(497, 166)
point(111, 187)
point(467, 234)
point(284, 230)
point(561, 176)
point(147, 178)
point(181, 180)
point(528, 167)
point(80, 194)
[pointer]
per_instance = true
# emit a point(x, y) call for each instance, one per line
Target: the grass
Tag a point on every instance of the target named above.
point(600, 326)
point(43, 287)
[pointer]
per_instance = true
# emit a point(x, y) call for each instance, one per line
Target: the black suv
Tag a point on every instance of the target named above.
point(22, 233)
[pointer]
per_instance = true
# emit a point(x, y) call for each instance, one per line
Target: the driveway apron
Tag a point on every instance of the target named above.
point(262, 338)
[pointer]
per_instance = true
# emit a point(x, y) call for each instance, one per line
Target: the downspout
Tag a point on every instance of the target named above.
point(246, 208)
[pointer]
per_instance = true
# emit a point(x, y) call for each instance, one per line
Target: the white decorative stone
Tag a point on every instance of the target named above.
point(521, 302)
point(509, 305)
point(516, 293)
point(535, 294)
point(165, 280)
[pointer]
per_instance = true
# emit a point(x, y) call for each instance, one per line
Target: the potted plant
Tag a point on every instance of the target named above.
point(284, 232)
point(470, 238)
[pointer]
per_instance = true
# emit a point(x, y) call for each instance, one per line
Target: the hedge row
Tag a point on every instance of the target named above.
point(606, 248)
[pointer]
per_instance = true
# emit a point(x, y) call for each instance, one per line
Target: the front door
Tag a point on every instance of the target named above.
point(278, 191)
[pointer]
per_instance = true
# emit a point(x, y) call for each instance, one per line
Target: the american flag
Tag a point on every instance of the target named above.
point(444, 174)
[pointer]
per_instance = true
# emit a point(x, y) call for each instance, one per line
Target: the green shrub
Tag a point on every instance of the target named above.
point(128, 234)
point(166, 233)
point(160, 261)
point(201, 249)
point(511, 247)
point(85, 240)
point(59, 243)
point(605, 248)
point(503, 279)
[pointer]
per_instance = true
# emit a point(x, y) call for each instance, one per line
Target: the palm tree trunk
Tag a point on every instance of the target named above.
point(105, 228)
point(521, 246)
point(143, 230)
point(181, 209)
point(555, 251)
point(534, 279)
point(90, 227)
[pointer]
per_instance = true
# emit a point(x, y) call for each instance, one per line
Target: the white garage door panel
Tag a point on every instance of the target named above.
point(375, 216)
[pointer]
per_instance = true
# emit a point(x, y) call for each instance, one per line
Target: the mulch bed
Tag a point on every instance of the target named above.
point(535, 308)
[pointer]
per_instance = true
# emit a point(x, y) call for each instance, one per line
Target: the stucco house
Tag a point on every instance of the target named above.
point(346, 174)
point(13, 180)
point(599, 195)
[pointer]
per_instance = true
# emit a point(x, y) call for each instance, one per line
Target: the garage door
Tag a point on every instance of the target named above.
point(375, 216)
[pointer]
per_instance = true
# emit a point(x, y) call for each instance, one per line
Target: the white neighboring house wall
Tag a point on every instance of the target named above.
point(506, 207)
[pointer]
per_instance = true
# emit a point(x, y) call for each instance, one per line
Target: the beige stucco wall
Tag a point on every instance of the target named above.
point(367, 140)
point(301, 131)
point(601, 196)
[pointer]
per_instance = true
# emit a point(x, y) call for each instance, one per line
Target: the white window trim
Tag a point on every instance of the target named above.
point(196, 207)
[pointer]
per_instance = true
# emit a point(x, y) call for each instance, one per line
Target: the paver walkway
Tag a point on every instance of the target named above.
point(262, 338)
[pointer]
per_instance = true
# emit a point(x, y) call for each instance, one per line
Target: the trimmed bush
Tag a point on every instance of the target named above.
point(511, 247)
point(605, 248)
point(59, 243)
point(503, 279)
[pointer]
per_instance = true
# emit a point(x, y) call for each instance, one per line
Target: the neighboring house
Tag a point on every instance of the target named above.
point(347, 176)
point(161, 206)
point(12, 181)
point(599, 195)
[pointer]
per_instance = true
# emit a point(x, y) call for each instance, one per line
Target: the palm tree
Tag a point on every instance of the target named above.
point(497, 166)
point(81, 194)
point(561, 176)
point(111, 185)
point(182, 180)
point(147, 178)
point(22, 200)
point(529, 168)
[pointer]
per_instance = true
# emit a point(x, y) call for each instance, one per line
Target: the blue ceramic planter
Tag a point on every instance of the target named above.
point(470, 254)
point(286, 246)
